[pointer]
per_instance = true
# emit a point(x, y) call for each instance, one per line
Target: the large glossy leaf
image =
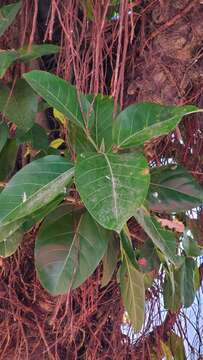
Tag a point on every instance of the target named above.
point(112, 186)
point(3, 135)
point(10, 244)
point(68, 249)
point(7, 15)
point(8, 159)
point(20, 106)
point(62, 96)
point(164, 240)
point(141, 122)
point(110, 260)
point(102, 130)
point(173, 189)
point(34, 186)
point(132, 292)
point(6, 59)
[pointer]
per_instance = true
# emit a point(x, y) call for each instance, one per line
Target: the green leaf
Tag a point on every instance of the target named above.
point(8, 159)
point(172, 292)
point(110, 260)
point(166, 350)
point(102, 130)
point(197, 278)
point(128, 248)
point(40, 214)
point(132, 292)
point(36, 51)
point(34, 186)
point(187, 282)
point(173, 189)
point(141, 122)
point(164, 240)
point(36, 135)
point(9, 246)
point(190, 245)
point(3, 135)
point(62, 96)
point(176, 345)
point(68, 249)
point(7, 15)
point(78, 140)
point(112, 186)
point(149, 278)
point(184, 286)
point(7, 57)
point(87, 4)
point(8, 232)
point(20, 106)
point(149, 253)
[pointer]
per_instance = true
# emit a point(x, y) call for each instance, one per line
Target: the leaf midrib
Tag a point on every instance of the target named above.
point(113, 182)
point(172, 189)
point(166, 121)
point(165, 245)
point(77, 233)
point(144, 129)
point(31, 197)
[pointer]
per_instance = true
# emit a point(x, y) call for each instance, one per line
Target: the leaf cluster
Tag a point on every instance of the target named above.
point(100, 155)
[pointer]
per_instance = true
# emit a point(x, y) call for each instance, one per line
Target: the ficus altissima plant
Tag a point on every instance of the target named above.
point(103, 162)
point(82, 188)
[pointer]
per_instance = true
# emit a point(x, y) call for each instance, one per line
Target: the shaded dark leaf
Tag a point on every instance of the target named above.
point(20, 106)
point(164, 240)
point(3, 135)
point(110, 260)
point(68, 249)
point(7, 15)
point(8, 159)
point(173, 189)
